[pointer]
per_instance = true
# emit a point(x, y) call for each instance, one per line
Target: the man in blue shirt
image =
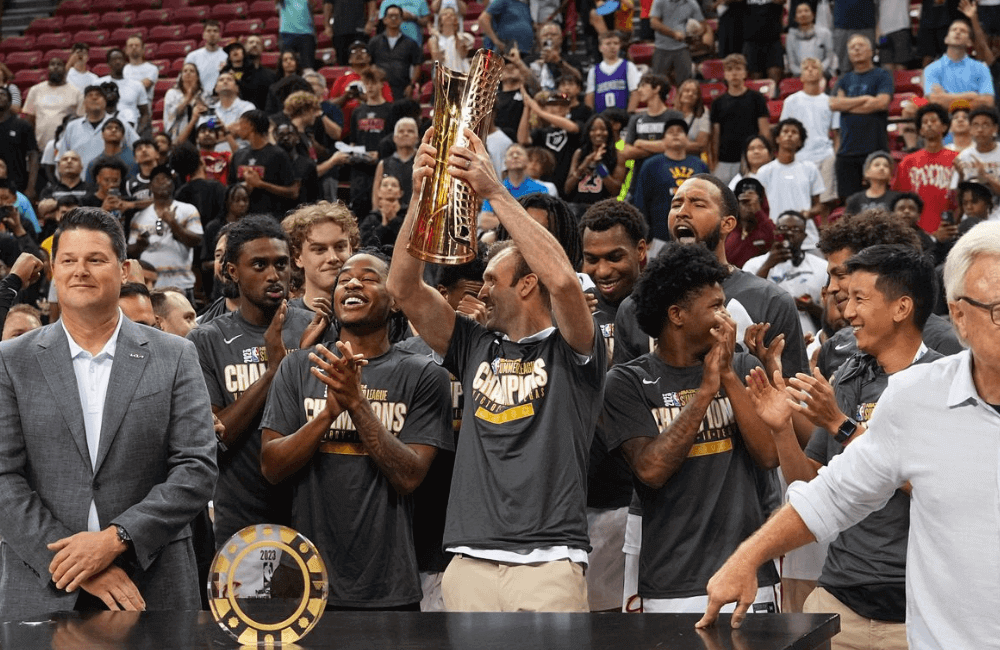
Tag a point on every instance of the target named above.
point(956, 75)
point(416, 16)
point(516, 182)
point(512, 19)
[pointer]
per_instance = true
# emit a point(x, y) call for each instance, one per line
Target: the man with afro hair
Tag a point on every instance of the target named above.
point(687, 427)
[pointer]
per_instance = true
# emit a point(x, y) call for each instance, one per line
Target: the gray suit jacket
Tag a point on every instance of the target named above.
point(155, 468)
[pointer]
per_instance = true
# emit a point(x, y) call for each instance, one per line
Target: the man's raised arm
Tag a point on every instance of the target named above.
point(542, 252)
point(426, 308)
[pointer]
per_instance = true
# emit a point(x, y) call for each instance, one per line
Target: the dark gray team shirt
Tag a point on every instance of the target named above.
point(520, 480)
point(746, 296)
point(233, 356)
point(865, 566)
point(938, 335)
point(692, 524)
point(430, 499)
point(609, 478)
point(342, 501)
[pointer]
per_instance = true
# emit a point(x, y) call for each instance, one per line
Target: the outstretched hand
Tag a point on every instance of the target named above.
point(735, 582)
point(815, 399)
point(771, 402)
point(769, 356)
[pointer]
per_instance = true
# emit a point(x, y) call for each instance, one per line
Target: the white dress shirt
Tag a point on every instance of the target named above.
point(93, 372)
point(931, 428)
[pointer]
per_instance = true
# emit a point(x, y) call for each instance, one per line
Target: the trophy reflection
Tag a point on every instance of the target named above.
point(445, 228)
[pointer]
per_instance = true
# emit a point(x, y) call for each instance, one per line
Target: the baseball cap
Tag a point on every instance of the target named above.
point(356, 45)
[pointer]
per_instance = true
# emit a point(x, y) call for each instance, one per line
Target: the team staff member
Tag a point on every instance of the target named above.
point(240, 352)
point(355, 442)
point(517, 514)
point(97, 492)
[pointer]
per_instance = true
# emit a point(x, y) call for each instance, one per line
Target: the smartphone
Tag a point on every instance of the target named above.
point(947, 217)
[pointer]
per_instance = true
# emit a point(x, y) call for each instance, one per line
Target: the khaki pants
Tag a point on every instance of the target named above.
point(474, 585)
point(856, 632)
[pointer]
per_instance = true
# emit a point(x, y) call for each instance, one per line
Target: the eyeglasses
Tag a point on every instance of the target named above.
point(789, 229)
point(994, 308)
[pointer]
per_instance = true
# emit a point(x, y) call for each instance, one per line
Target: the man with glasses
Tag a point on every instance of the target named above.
point(788, 266)
point(953, 477)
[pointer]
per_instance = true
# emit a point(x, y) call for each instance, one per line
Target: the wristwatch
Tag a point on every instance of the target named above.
point(845, 431)
point(123, 536)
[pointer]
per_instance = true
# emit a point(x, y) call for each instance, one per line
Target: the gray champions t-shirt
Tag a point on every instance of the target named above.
point(520, 480)
point(692, 524)
point(233, 356)
point(342, 502)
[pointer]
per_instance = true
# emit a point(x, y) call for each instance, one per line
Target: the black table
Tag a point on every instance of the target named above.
point(433, 631)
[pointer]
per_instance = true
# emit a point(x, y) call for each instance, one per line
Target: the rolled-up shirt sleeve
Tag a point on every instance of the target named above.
point(857, 482)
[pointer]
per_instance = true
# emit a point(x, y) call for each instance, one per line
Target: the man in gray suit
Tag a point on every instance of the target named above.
point(107, 449)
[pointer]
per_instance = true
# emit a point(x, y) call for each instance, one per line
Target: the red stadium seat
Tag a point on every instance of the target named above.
point(117, 19)
point(29, 77)
point(641, 53)
point(163, 85)
point(101, 69)
point(163, 65)
point(61, 53)
point(97, 37)
point(150, 50)
point(188, 15)
point(158, 107)
point(177, 66)
point(45, 25)
point(426, 112)
point(99, 53)
point(470, 25)
point(153, 17)
point(32, 59)
point(326, 56)
point(77, 22)
point(176, 49)
point(162, 33)
point(104, 6)
point(764, 86)
point(473, 9)
point(909, 81)
point(269, 59)
point(272, 25)
point(270, 42)
point(712, 70)
point(427, 93)
point(710, 91)
point(53, 40)
point(122, 34)
point(774, 107)
point(262, 9)
point(194, 31)
point(17, 43)
point(231, 11)
point(173, 4)
point(244, 27)
point(789, 86)
point(72, 7)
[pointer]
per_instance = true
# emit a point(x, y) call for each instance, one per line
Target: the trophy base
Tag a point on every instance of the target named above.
point(453, 259)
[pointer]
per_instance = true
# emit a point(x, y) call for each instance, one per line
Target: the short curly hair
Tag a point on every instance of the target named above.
point(867, 228)
point(300, 103)
point(672, 278)
point(298, 224)
point(605, 215)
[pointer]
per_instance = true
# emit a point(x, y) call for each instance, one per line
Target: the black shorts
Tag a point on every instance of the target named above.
point(930, 40)
point(896, 47)
point(761, 56)
point(989, 18)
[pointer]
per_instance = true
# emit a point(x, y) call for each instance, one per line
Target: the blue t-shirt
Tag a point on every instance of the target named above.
point(854, 14)
point(658, 180)
point(511, 22)
point(529, 186)
point(958, 76)
point(296, 17)
point(861, 134)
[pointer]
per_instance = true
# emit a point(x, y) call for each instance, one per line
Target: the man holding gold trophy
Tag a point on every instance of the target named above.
point(516, 521)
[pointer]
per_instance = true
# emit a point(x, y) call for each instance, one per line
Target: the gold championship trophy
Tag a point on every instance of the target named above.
point(445, 229)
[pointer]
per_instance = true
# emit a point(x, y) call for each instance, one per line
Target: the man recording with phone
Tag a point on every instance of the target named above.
point(788, 266)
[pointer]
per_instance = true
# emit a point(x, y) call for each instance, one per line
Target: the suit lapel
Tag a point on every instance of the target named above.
point(131, 355)
point(57, 368)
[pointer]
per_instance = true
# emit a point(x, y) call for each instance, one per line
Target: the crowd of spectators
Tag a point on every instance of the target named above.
point(607, 126)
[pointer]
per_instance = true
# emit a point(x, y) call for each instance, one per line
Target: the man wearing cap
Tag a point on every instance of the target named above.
point(981, 162)
point(558, 133)
point(84, 135)
point(397, 54)
point(165, 234)
point(956, 75)
point(659, 178)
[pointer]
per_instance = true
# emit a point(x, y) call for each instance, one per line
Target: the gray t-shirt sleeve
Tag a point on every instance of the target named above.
point(282, 412)
point(625, 414)
point(428, 417)
point(201, 337)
